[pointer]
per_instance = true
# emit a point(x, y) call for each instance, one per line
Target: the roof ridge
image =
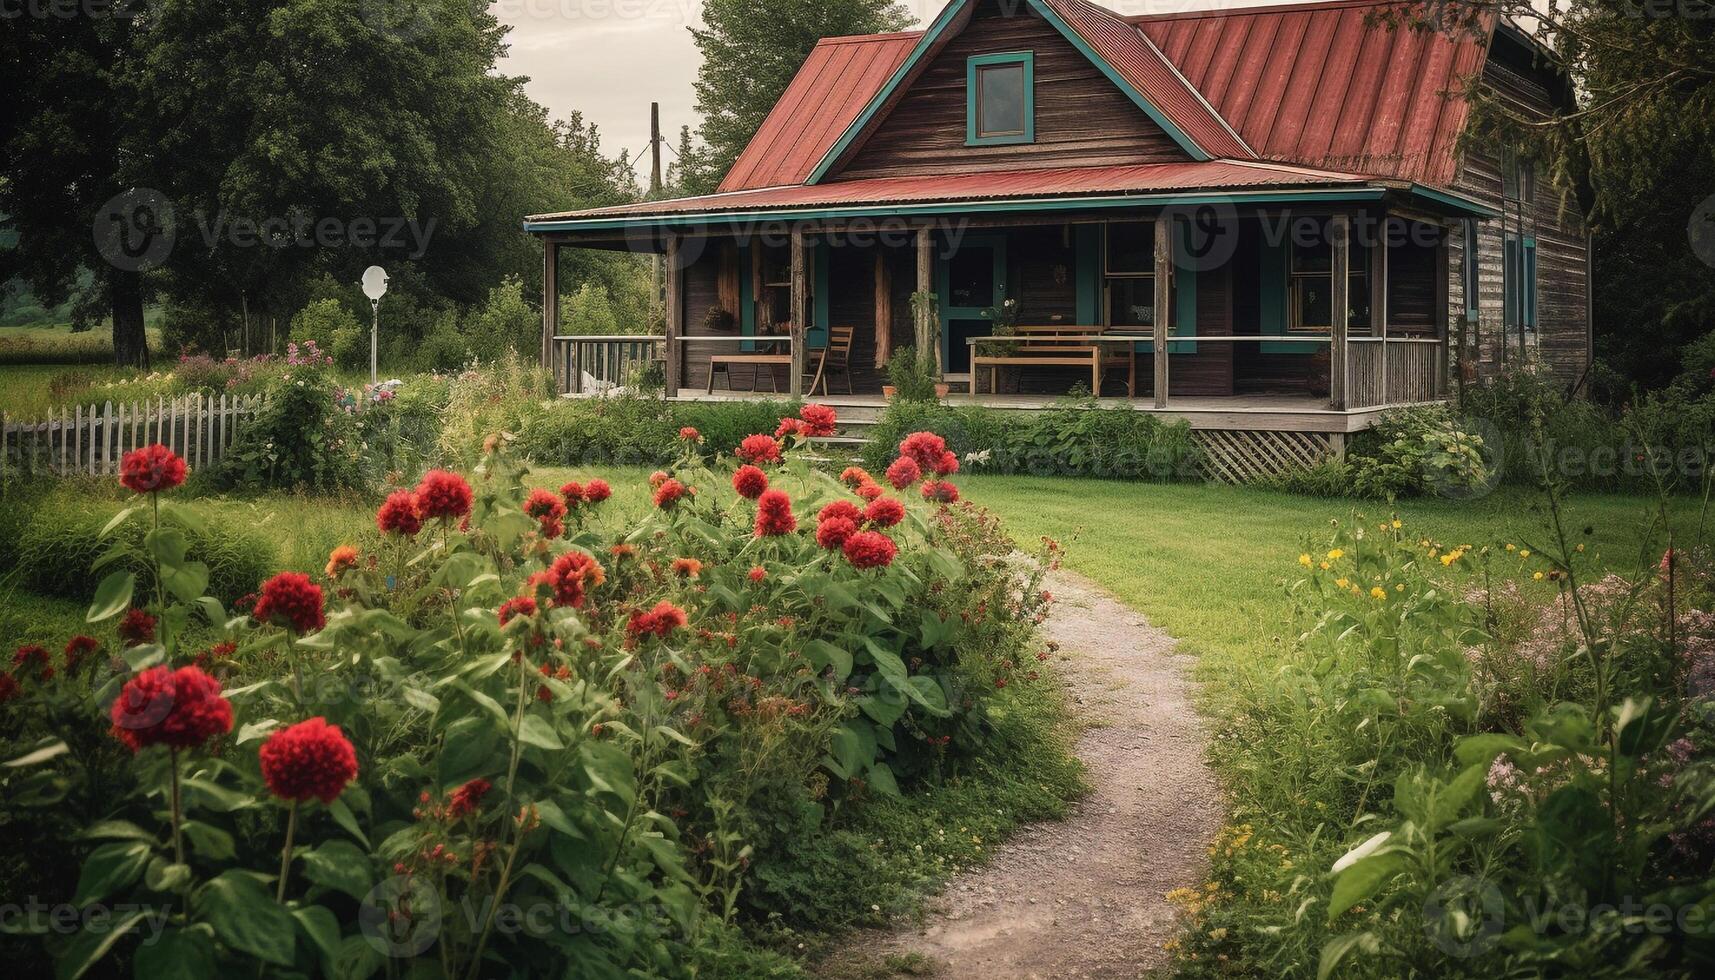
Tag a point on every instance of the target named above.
point(1255, 8)
point(864, 38)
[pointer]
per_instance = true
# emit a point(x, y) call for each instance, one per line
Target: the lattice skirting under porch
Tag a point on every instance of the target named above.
point(1244, 457)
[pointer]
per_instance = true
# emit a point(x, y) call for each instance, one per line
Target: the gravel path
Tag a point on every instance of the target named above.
point(1084, 897)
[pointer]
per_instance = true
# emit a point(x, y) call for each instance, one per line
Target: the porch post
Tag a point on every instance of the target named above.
point(921, 324)
point(800, 311)
point(675, 314)
point(1443, 285)
point(1339, 369)
point(1379, 311)
point(550, 305)
point(1163, 303)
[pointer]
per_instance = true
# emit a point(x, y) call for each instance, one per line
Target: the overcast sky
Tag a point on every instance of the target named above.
point(610, 58)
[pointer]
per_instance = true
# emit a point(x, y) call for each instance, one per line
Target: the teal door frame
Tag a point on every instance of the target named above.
point(943, 286)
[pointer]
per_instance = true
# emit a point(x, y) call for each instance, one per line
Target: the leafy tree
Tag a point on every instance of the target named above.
point(751, 51)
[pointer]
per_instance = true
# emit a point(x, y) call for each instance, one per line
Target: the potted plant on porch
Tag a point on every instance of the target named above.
point(926, 321)
point(911, 378)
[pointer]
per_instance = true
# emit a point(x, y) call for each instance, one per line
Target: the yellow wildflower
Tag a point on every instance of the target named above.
point(1343, 582)
point(1537, 576)
point(1336, 555)
point(1397, 524)
point(1378, 593)
point(1304, 560)
point(1524, 553)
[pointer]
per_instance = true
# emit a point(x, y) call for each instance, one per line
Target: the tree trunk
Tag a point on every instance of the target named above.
point(130, 343)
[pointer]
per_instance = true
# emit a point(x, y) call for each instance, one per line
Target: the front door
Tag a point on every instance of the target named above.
point(969, 279)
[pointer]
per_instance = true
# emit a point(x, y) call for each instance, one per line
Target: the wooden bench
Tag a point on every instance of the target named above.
point(1056, 345)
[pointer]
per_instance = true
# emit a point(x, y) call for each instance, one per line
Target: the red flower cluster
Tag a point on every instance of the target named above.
point(923, 448)
point(774, 514)
point(855, 476)
point(687, 567)
point(870, 491)
point(669, 493)
point(398, 514)
point(940, 491)
point(151, 469)
point(516, 606)
point(788, 427)
point(840, 508)
point(597, 491)
point(9, 688)
point(548, 510)
point(309, 760)
point(661, 621)
point(749, 482)
point(690, 434)
point(884, 512)
point(571, 577)
point(137, 628)
point(444, 495)
point(759, 449)
point(832, 533)
point(947, 465)
point(33, 657)
point(180, 709)
point(467, 798)
point(290, 599)
point(904, 472)
point(78, 649)
point(758, 573)
point(818, 421)
point(870, 549)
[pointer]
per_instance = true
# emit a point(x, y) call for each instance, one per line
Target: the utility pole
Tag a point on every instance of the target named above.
point(657, 280)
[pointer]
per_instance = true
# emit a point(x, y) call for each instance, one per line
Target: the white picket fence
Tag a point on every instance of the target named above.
point(91, 440)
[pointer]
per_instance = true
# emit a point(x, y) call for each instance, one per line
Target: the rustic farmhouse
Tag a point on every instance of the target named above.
point(1258, 219)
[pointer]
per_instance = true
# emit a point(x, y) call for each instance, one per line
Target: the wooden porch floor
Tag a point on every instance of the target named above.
point(1237, 413)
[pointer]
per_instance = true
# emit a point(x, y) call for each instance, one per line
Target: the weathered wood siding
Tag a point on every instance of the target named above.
point(1082, 119)
point(1562, 273)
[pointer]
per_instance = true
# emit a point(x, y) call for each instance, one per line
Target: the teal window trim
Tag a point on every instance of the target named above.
point(1473, 269)
point(973, 67)
point(1512, 306)
point(1184, 294)
point(1274, 261)
point(1528, 281)
point(746, 299)
point(1088, 263)
point(818, 332)
point(944, 290)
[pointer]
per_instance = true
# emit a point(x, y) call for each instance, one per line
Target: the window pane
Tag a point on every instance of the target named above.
point(1131, 247)
point(970, 277)
point(1000, 100)
point(1312, 301)
point(1131, 302)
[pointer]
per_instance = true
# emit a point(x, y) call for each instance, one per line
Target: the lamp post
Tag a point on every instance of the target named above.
point(374, 287)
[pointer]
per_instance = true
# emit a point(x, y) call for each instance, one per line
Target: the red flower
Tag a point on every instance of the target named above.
point(34, 657)
point(774, 514)
point(668, 493)
point(597, 491)
point(444, 495)
point(904, 472)
point(290, 599)
point(151, 469)
point(947, 465)
point(548, 510)
point(690, 434)
point(884, 512)
point(870, 549)
point(834, 532)
point(759, 449)
point(309, 760)
point(572, 493)
point(9, 688)
point(749, 482)
point(855, 476)
point(572, 575)
point(870, 491)
point(180, 709)
point(687, 567)
point(819, 421)
point(398, 514)
point(467, 798)
point(758, 573)
point(661, 621)
point(657, 478)
point(840, 508)
point(78, 649)
point(789, 427)
point(940, 491)
point(924, 448)
point(516, 606)
point(137, 628)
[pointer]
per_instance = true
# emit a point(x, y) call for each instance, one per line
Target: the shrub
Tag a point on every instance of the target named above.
point(637, 429)
point(301, 439)
point(442, 348)
point(912, 377)
point(322, 321)
point(504, 324)
point(1415, 451)
point(482, 402)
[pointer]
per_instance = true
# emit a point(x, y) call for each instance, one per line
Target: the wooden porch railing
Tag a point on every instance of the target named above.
point(1395, 370)
point(593, 364)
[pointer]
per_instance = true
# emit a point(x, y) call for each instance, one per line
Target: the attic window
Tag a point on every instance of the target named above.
point(1000, 99)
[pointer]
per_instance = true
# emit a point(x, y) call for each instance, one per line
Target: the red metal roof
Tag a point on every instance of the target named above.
point(838, 79)
point(1317, 84)
point(1135, 57)
point(1020, 184)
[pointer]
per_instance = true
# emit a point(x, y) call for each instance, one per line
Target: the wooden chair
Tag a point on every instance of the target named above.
point(837, 356)
point(1055, 345)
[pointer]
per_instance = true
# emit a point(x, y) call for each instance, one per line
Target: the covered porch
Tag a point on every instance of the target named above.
point(1308, 309)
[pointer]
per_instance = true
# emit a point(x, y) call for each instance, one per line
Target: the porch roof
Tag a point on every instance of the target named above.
point(1227, 181)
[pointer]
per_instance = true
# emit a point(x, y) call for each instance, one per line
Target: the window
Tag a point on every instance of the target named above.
point(1518, 177)
point(1518, 270)
point(1473, 266)
point(1312, 291)
point(1000, 99)
point(1128, 271)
